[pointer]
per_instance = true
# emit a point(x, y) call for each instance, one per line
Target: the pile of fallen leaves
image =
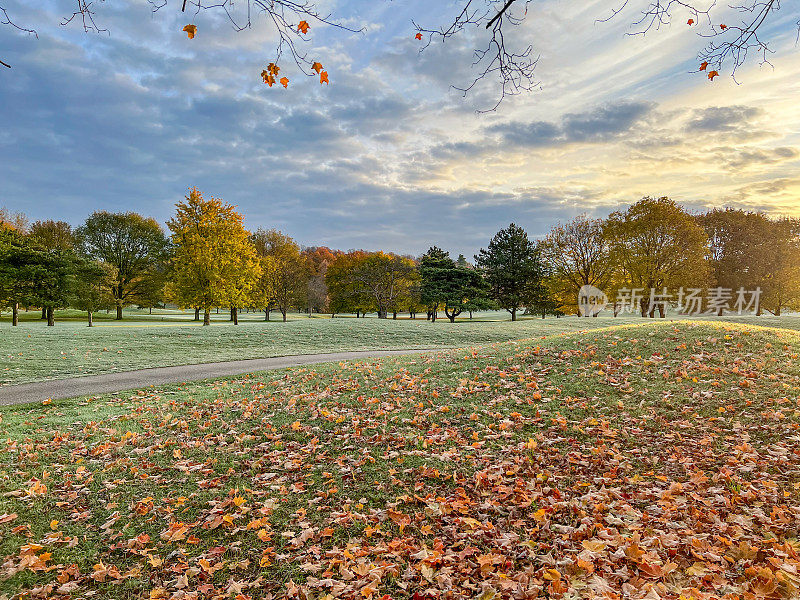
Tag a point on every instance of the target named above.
point(639, 462)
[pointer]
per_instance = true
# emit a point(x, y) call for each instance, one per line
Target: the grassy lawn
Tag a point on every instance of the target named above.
point(658, 461)
point(34, 352)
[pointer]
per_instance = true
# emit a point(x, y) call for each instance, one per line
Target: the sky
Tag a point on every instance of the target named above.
point(389, 155)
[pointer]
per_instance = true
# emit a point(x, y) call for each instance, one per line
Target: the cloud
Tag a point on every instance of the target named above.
point(389, 155)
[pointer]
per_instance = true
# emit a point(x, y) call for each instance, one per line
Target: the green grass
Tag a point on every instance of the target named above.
point(34, 352)
point(669, 449)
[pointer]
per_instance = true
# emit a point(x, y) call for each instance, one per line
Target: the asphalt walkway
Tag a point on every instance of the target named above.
point(94, 385)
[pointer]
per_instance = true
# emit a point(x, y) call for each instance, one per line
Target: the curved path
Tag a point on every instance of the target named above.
point(94, 385)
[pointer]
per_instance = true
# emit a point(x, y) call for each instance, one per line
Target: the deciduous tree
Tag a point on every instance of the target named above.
point(576, 253)
point(286, 276)
point(658, 245)
point(134, 246)
point(215, 262)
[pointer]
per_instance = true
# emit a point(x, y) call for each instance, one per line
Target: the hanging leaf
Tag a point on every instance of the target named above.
point(418, 36)
point(190, 30)
point(285, 82)
point(303, 27)
point(317, 67)
point(323, 78)
point(713, 74)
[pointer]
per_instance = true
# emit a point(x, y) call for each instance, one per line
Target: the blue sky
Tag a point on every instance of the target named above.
point(388, 156)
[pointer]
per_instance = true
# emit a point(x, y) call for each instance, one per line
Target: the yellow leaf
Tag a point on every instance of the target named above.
point(190, 30)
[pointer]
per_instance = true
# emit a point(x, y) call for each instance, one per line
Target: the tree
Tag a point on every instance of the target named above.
point(18, 266)
point(658, 246)
point(781, 279)
point(89, 293)
point(215, 262)
point(53, 235)
point(576, 253)
point(429, 263)
point(134, 246)
point(456, 288)
point(16, 221)
point(512, 268)
point(384, 278)
point(500, 56)
point(54, 280)
point(345, 295)
point(318, 259)
point(287, 272)
point(739, 247)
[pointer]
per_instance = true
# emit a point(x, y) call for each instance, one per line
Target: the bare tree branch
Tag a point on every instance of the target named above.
point(514, 68)
point(5, 19)
point(511, 64)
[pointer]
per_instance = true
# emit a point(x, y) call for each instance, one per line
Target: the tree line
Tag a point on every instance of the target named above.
point(210, 261)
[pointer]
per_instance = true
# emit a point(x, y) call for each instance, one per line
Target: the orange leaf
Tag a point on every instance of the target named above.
point(418, 36)
point(723, 27)
point(285, 82)
point(317, 67)
point(273, 69)
point(323, 78)
point(190, 30)
point(704, 65)
point(690, 22)
point(303, 26)
point(713, 74)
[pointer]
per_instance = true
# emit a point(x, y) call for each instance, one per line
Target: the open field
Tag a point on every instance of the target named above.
point(34, 352)
point(657, 461)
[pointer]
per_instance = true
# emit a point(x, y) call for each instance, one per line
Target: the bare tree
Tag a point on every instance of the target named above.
point(500, 57)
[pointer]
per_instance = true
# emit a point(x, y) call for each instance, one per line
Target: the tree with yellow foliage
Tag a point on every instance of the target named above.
point(286, 273)
point(214, 260)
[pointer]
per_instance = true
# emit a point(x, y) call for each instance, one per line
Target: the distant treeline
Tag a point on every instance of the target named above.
point(210, 260)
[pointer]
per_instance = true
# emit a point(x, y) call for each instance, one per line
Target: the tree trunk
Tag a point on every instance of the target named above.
point(197, 313)
point(233, 311)
point(15, 314)
point(119, 312)
point(662, 311)
point(89, 317)
point(358, 313)
point(470, 315)
point(235, 315)
point(151, 310)
point(452, 317)
point(394, 315)
point(513, 314)
point(206, 317)
point(778, 311)
point(44, 313)
point(50, 317)
point(266, 314)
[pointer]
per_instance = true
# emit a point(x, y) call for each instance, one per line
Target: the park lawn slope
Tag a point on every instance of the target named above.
point(658, 461)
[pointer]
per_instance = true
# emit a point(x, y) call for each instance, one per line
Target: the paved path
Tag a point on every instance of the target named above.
point(127, 380)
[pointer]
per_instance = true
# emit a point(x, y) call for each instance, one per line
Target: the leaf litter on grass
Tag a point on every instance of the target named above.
point(656, 462)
